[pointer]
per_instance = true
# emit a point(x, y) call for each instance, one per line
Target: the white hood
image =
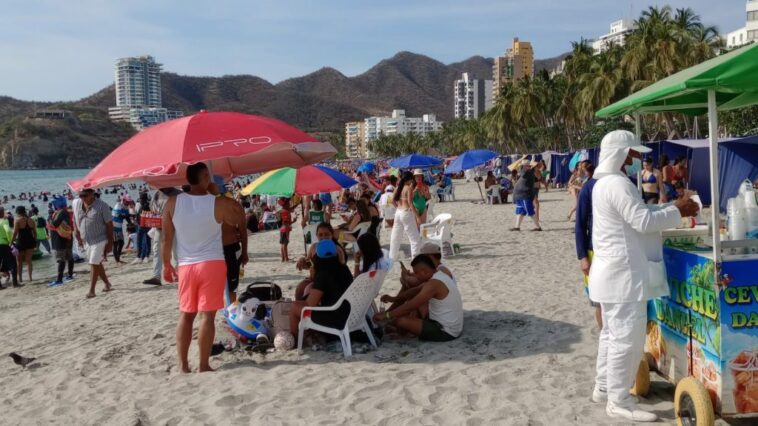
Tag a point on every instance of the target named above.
point(614, 149)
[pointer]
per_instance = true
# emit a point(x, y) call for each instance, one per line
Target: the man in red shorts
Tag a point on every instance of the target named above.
point(195, 219)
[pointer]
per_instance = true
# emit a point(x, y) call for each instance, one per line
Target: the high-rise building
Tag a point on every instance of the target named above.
point(616, 35)
point(395, 124)
point(138, 93)
point(517, 63)
point(472, 97)
point(138, 82)
point(749, 32)
point(355, 139)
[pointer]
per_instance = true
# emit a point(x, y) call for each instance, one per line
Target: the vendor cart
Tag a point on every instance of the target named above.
point(704, 336)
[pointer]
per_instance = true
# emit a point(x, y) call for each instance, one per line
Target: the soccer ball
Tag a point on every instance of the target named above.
point(284, 341)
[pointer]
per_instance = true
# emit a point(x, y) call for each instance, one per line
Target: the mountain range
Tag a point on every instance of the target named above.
point(320, 102)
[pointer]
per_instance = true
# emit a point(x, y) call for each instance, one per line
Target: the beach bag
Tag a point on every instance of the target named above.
point(280, 317)
point(262, 290)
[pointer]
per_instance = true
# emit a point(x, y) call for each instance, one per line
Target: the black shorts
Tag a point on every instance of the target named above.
point(284, 237)
point(432, 331)
point(7, 259)
point(650, 197)
point(232, 266)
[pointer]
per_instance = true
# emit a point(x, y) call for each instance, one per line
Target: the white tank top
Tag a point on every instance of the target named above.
point(448, 311)
point(197, 234)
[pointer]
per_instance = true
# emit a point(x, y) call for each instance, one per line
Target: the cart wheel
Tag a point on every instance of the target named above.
point(642, 382)
point(692, 404)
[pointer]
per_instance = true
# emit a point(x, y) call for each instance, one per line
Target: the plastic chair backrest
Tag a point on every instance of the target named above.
point(362, 228)
point(441, 218)
point(445, 229)
point(360, 294)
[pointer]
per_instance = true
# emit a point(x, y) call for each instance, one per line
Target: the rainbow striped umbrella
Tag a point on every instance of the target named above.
point(308, 180)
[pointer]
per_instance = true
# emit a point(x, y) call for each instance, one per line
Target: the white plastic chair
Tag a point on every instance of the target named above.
point(361, 229)
point(448, 193)
point(440, 232)
point(360, 294)
point(493, 192)
point(310, 229)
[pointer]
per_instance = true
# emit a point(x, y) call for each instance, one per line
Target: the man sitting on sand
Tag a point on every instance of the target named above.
point(409, 280)
point(438, 295)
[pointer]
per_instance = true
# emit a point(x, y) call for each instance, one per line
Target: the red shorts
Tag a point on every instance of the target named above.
point(201, 286)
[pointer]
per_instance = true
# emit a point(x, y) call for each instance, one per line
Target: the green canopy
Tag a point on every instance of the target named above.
point(733, 76)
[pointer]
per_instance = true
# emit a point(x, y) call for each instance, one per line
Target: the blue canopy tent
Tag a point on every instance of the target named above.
point(559, 168)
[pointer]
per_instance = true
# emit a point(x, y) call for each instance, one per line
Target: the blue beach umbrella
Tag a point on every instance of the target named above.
point(366, 167)
point(469, 160)
point(413, 161)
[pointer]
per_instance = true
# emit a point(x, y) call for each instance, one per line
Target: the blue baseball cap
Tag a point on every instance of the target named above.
point(59, 203)
point(326, 249)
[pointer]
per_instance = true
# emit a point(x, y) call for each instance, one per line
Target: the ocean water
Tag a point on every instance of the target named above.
point(53, 181)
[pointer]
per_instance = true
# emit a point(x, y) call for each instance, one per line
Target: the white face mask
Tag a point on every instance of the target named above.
point(634, 168)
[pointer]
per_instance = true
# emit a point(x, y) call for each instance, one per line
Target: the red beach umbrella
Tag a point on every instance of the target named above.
point(234, 144)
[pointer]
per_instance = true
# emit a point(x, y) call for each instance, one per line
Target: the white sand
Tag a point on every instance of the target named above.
point(526, 356)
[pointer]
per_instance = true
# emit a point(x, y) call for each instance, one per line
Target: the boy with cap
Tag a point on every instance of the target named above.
point(62, 241)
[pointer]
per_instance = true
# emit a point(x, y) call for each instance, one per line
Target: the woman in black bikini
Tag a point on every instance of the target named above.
point(653, 191)
point(25, 239)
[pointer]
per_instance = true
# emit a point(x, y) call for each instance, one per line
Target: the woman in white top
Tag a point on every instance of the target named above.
point(439, 293)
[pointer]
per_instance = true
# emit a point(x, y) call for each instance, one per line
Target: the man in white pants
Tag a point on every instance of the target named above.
point(620, 275)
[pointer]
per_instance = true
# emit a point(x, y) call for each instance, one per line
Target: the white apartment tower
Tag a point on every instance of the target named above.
point(138, 93)
point(749, 32)
point(472, 97)
point(616, 35)
point(396, 124)
point(138, 82)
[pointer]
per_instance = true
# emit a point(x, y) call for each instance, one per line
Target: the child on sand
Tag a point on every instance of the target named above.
point(287, 219)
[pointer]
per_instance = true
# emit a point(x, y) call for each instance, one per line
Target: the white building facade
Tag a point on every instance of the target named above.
point(616, 35)
point(138, 93)
point(748, 33)
point(472, 97)
point(398, 124)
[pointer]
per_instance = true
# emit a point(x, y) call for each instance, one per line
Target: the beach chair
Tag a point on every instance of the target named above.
point(310, 230)
point(493, 192)
point(448, 194)
point(360, 294)
point(440, 232)
point(361, 228)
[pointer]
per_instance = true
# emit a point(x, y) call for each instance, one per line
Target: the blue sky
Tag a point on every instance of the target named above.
point(64, 50)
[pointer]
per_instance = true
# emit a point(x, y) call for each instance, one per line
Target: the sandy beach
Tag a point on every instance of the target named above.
point(526, 356)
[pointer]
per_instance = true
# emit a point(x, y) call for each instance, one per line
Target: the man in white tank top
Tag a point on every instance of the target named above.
point(440, 293)
point(192, 227)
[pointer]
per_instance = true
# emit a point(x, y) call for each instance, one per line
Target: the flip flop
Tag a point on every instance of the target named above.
point(515, 229)
point(107, 289)
point(90, 296)
point(536, 229)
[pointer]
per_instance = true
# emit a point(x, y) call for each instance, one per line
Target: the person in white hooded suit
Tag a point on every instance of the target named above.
point(620, 278)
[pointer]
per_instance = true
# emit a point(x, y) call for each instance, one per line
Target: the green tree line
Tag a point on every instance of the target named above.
point(556, 112)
